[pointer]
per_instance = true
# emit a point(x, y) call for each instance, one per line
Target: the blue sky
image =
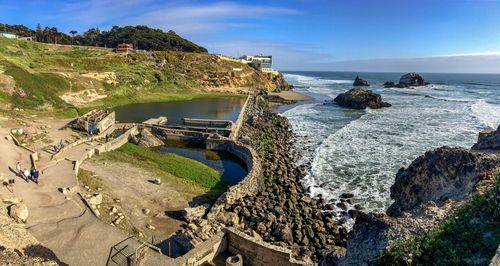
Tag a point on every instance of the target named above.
point(358, 35)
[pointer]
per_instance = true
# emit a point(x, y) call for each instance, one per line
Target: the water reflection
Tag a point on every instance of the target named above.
point(216, 108)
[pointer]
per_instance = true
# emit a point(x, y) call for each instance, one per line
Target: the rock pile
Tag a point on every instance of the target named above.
point(360, 99)
point(358, 82)
point(407, 80)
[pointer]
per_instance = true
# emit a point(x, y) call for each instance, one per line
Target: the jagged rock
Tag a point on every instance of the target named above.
point(360, 99)
point(195, 213)
point(95, 200)
point(147, 139)
point(412, 79)
point(488, 140)
point(406, 81)
point(360, 82)
point(157, 181)
point(441, 174)
point(19, 212)
point(346, 195)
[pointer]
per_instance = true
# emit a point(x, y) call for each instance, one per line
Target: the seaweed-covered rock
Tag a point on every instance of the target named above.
point(360, 99)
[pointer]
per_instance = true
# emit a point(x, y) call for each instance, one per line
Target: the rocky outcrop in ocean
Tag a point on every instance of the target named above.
point(360, 99)
point(359, 82)
point(407, 81)
point(488, 140)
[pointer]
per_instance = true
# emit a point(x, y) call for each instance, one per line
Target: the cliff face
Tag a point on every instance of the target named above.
point(43, 76)
point(425, 194)
point(441, 174)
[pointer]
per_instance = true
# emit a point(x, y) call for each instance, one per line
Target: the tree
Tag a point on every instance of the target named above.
point(73, 32)
point(39, 33)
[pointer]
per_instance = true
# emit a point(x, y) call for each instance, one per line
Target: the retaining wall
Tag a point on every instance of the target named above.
point(202, 253)
point(108, 146)
point(249, 186)
point(256, 252)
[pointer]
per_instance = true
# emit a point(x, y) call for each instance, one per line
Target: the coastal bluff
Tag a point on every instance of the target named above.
point(433, 187)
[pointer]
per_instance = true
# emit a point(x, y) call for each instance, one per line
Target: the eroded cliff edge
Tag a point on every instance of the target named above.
point(435, 185)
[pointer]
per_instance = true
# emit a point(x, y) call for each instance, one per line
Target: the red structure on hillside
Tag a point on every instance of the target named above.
point(125, 48)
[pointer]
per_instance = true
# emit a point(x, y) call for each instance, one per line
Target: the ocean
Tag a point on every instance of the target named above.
point(360, 151)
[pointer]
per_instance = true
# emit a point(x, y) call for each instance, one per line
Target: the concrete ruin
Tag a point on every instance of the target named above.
point(95, 121)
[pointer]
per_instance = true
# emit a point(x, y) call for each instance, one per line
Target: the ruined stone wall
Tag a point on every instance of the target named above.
point(203, 253)
point(249, 186)
point(258, 252)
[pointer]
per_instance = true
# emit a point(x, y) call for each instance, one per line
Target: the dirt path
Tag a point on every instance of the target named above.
point(60, 222)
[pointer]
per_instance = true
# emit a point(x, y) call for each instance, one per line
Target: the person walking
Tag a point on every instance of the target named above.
point(26, 174)
point(35, 175)
point(18, 168)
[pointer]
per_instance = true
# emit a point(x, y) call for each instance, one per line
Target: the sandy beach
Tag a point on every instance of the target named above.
point(292, 95)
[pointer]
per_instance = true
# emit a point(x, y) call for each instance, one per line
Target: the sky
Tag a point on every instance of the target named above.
point(331, 35)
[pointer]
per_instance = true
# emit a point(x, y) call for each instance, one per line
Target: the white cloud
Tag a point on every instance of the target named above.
point(196, 18)
point(184, 18)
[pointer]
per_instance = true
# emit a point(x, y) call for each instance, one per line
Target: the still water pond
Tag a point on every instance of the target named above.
point(231, 168)
point(211, 108)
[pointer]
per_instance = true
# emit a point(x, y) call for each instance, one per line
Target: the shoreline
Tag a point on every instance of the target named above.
point(292, 95)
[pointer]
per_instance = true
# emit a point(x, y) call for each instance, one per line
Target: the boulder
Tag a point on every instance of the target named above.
point(147, 139)
point(19, 212)
point(360, 99)
point(412, 79)
point(488, 140)
point(95, 200)
point(195, 213)
point(358, 82)
point(441, 174)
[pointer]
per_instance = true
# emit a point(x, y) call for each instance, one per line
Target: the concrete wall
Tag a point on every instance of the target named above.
point(257, 252)
point(102, 135)
point(250, 185)
point(108, 146)
point(202, 253)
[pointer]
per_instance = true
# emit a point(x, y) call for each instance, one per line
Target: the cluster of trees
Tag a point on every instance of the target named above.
point(142, 37)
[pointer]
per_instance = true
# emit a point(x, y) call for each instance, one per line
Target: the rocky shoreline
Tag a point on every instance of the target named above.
point(282, 213)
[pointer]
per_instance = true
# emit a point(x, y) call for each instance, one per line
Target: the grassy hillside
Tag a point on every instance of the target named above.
point(49, 77)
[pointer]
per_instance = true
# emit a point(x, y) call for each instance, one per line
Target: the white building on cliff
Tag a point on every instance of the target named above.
point(263, 63)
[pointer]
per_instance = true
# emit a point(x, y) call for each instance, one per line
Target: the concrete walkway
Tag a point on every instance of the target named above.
point(62, 222)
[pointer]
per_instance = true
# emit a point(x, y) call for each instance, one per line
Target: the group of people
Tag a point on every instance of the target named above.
point(28, 174)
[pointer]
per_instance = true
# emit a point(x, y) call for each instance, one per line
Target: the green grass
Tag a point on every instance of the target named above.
point(469, 236)
point(176, 165)
point(40, 88)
